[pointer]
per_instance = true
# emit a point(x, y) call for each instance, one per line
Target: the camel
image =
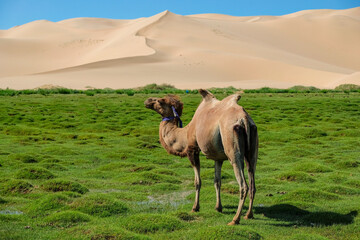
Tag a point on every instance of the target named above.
point(221, 130)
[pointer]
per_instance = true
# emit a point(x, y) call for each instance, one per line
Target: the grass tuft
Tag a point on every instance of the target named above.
point(302, 236)
point(185, 216)
point(50, 160)
point(230, 188)
point(112, 232)
point(341, 190)
point(309, 195)
point(165, 171)
point(58, 185)
point(295, 176)
point(311, 167)
point(46, 204)
point(149, 178)
point(17, 186)
point(25, 158)
point(2, 200)
point(66, 219)
point(34, 173)
point(226, 232)
point(53, 166)
point(343, 164)
point(151, 223)
point(99, 205)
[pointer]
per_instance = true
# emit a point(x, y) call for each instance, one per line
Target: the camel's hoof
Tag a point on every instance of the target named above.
point(249, 216)
point(219, 209)
point(233, 223)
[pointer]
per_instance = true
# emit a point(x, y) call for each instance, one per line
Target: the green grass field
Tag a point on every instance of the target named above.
point(89, 166)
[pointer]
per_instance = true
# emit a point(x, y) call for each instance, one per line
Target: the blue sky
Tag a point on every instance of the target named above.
point(18, 12)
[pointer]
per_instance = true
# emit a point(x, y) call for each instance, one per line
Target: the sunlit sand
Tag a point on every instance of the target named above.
point(314, 48)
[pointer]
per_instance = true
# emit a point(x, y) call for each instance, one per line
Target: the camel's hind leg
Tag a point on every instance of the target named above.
point(251, 159)
point(217, 184)
point(234, 146)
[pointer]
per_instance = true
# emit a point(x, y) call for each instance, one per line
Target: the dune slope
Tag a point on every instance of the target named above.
point(315, 47)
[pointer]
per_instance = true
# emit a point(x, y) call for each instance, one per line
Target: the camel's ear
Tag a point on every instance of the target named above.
point(179, 107)
point(206, 94)
point(162, 100)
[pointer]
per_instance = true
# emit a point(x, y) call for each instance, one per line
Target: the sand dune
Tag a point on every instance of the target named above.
point(315, 47)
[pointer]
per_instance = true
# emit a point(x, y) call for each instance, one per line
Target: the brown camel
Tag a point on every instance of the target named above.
point(221, 130)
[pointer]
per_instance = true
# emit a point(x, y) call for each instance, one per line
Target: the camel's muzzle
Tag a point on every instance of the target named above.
point(149, 103)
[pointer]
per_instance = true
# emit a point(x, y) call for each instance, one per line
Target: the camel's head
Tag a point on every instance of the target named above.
point(163, 105)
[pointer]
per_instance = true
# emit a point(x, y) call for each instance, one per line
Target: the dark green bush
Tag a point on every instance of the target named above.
point(64, 91)
point(89, 93)
point(130, 92)
point(169, 89)
point(348, 87)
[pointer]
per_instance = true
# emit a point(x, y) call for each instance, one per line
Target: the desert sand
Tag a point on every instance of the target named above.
point(318, 48)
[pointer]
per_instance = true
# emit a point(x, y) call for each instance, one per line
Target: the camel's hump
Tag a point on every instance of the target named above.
point(232, 98)
point(207, 96)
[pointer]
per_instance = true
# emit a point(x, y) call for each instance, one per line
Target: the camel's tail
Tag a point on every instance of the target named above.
point(245, 126)
point(247, 130)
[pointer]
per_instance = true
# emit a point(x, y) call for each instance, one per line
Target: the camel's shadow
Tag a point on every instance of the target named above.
point(300, 217)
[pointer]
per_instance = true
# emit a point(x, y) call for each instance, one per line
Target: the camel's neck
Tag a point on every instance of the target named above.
point(173, 138)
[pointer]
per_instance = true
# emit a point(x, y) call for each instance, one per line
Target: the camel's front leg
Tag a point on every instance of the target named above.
point(195, 162)
point(217, 184)
point(197, 183)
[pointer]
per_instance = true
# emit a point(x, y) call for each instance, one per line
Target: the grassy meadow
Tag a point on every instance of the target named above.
point(90, 166)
